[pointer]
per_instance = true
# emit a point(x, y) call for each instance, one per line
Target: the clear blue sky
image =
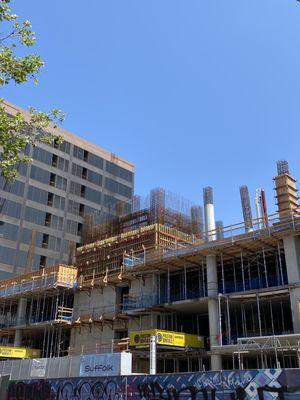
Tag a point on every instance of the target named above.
point(194, 92)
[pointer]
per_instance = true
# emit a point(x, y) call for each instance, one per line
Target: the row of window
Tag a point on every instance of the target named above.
point(43, 218)
point(85, 173)
point(88, 157)
point(10, 232)
point(47, 198)
point(48, 158)
point(80, 209)
point(86, 192)
point(119, 171)
point(119, 188)
point(48, 178)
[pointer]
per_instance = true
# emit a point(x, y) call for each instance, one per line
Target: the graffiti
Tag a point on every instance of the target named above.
point(29, 391)
point(279, 391)
point(154, 391)
point(84, 390)
point(271, 384)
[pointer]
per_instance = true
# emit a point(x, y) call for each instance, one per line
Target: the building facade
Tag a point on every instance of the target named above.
point(45, 208)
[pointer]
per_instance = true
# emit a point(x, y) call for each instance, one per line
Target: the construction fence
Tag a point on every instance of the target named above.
point(265, 384)
point(68, 367)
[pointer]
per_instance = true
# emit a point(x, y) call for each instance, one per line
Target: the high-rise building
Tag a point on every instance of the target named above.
point(46, 207)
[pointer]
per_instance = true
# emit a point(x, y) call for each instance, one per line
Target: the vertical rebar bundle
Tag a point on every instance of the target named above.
point(136, 203)
point(208, 195)
point(246, 207)
point(282, 167)
point(197, 220)
point(219, 230)
point(157, 205)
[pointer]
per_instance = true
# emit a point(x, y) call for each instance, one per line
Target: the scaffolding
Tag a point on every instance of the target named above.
point(252, 280)
point(47, 298)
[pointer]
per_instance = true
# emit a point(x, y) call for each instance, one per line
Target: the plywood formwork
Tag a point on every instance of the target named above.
point(95, 261)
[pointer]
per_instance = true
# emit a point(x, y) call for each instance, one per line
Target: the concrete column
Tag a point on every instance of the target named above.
point(213, 309)
point(212, 278)
point(21, 311)
point(292, 257)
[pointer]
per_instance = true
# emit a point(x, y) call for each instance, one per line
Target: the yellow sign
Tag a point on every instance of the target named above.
point(19, 352)
point(165, 338)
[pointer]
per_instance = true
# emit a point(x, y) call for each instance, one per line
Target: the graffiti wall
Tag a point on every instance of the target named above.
point(268, 384)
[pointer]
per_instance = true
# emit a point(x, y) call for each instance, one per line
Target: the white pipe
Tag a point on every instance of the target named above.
point(152, 354)
point(210, 223)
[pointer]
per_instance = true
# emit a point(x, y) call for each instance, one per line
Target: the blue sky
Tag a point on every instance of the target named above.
point(195, 93)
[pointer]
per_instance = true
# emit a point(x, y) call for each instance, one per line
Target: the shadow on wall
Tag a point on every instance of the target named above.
point(264, 384)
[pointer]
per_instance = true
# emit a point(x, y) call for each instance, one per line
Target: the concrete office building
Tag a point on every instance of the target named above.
point(45, 208)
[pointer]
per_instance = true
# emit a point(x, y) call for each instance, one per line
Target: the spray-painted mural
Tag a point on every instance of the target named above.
point(268, 384)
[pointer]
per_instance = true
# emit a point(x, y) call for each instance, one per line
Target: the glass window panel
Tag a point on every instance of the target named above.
point(119, 172)
point(117, 187)
point(8, 231)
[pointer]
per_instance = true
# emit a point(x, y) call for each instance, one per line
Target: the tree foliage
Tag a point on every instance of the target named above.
point(17, 131)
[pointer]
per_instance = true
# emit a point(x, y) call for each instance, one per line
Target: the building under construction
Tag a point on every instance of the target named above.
point(36, 310)
point(216, 297)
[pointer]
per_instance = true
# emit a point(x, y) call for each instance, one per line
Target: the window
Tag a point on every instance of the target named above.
point(27, 235)
point(78, 152)
point(64, 146)
point(73, 207)
point(59, 202)
point(63, 164)
point(96, 161)
point(40, 175)
point(8, 231)
point(117, 187)
point(75, 188)
point(16, 187)
point(77, 170)
point(38, 195)
point(7, 255)
point(85, 173)
point(60, 163)
point(11, 208)
point(84, 155)
point(35, 216)
point(56, 201)
point(61, 183)
point(72, 227)
point(119, 172)
point(56, 222)
point(66, 246)
point(93, 177)
point(42, 155)
point(93, 195)
point(22, 169)
point(51, 242)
